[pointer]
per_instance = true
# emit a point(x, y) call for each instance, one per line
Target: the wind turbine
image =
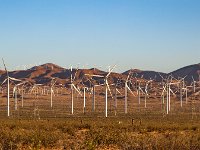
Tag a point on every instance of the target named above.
point(115, 99)
point(8, 87)
point(53, 82)
point(84, 99)
point(8, 90)
point(126, 92)
point(84, 96)
point(22, 93)
point(15, 96)
point(107, 87)
point(194, 84)
point(72, 88)
point(181, 86)
point(139, 93)
point(146, 92)
point(93, 91)
point(169, 94)
point(93, 85)
point(164, 86)
point(186, 93)
point(15, 90)
point(170, 82)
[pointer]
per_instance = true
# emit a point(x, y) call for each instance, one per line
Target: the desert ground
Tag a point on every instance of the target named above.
point(38, 126)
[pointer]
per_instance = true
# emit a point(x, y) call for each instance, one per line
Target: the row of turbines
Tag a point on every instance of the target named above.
point(137, 87)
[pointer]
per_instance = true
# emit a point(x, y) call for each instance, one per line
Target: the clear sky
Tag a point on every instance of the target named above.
point(160, 35)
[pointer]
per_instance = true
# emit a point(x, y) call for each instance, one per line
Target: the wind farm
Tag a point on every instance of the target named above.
point(99, 75)
point(100, 89)
point(50, 92)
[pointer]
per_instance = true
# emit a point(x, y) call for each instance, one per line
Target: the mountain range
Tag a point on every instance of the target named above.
point(43, 74)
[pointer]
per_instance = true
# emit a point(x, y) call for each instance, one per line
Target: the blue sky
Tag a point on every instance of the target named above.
point(160, 35)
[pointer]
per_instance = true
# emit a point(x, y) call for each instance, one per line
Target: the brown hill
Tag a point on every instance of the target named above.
point(2, 72)
point(148, 75)
point(188, 71)
point(43, 74)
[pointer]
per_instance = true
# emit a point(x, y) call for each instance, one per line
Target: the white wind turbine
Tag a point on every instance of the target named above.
point(72, 79)
point(15, 90)
point(169, 91)
point(146, 92)
point(53, 82)
point(93, 85)
point(84, 99)
point(22, 92)
point(8, 87)
point(181, 87)
point(8, 90)
point(15, 96)
point(169, 94)
point(126, 93)
point(186, 92)
point(85, 88)
point(115, 99)
point(93, 91)
point(107, 87)
point(164, 86)
point(194, 84)
point(139, 90)
point(84, 96)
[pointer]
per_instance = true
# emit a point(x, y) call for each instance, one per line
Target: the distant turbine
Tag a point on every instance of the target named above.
point(53, 82)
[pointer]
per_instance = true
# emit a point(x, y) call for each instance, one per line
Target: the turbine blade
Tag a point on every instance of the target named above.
point(193, 79)
point(76, 89)
point(75, 74)
point(161, 76)
point(172, 92)
point(118, 91)
point(19, 84)
point(5, 67)
point(4, 81)
point(71, 73)
point(128, 75)
point(14, 79)
point(141, 90)
point(109, 89)
point(110, 71)
point(130, 90)
point(94, 75)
